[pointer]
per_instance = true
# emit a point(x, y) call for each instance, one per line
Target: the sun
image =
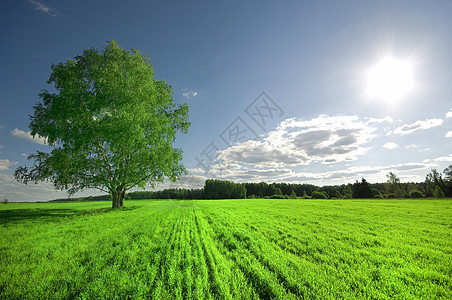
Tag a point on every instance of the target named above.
point(390, 80)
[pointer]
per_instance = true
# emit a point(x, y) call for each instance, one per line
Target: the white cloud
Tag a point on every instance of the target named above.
point(2, 127)
point(322, 150)
point(4, 164)
point(27, 136)
point(190, 94)
point(449, 134)
point(1, 146)
point(349, 174)
point(376, 120)
point(11, 189)
point(449, 114)
point(44, 8)
point(185, 182)
point(323, 139)
point(445, 158)
point(418, 125)
point(390, 146)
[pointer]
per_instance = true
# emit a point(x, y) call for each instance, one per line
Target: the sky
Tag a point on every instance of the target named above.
point(319, 92)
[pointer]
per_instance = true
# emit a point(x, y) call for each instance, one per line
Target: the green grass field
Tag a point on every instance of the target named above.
point(227, 249)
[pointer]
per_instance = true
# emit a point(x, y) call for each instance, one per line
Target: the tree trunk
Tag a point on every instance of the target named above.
point(118, 198)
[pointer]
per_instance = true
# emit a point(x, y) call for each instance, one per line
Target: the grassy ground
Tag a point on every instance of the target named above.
point(227, 249)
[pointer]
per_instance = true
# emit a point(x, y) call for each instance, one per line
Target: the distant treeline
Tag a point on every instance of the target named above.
point(434, 186)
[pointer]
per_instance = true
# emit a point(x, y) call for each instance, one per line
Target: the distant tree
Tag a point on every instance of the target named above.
point(336, 194)
point(218, 189)
point(433, 180)
point(448, 180)
point(110, 124)
point(347, 193)
point(416, 194)
point(293, 195)
point(415, 186)
point(448, 174)
point(376, 193)
point(362, 189)
point(394, 186)
point(319, 195)
point(5, 201)
point(305, 195)
point(270, 190)
point(438, 193)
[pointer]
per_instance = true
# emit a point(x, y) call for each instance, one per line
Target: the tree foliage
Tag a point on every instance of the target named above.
point(432, 181)
point(110, 125)
point(448, 181)
point(347, 193)
point(394, 186)
point(218, 189)
point(416, 194)
point(362, 189)
point(319, 195)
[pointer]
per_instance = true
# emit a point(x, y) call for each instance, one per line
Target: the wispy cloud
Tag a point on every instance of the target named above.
point(27, 136)
point(4, 164)
point(418, 125)
point(52, 12)
point(190, 94)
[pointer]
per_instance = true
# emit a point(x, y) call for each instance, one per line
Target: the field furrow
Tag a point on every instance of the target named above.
point(228, 249)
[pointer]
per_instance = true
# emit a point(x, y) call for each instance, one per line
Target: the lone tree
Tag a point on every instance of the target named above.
point(110, 125)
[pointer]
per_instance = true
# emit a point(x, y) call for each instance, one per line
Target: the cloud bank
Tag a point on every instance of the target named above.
point(323, 139)
point(323, 150)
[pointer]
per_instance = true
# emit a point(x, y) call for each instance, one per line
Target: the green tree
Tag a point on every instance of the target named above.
point(416, 194)
point(218, 189)
point(110, 125)
point(293, 195)
point(438, 193)
point(347, 193)
point(319, 195)
point(448, 174)
point(394, 186)
point(362, 189)
point(448, 180)
point(305, 195)
point(433, 180)
point(278, 192)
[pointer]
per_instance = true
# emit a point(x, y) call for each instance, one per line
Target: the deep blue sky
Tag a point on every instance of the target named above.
point(309, 57)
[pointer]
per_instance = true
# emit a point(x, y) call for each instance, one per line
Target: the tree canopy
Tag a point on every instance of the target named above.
point(393, 185)
point(110, 125)
point(362, 189)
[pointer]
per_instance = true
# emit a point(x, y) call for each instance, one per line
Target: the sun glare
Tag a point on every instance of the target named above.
point(390, 80)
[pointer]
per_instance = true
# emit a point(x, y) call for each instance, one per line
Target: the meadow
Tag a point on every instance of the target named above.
point(227, 249)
